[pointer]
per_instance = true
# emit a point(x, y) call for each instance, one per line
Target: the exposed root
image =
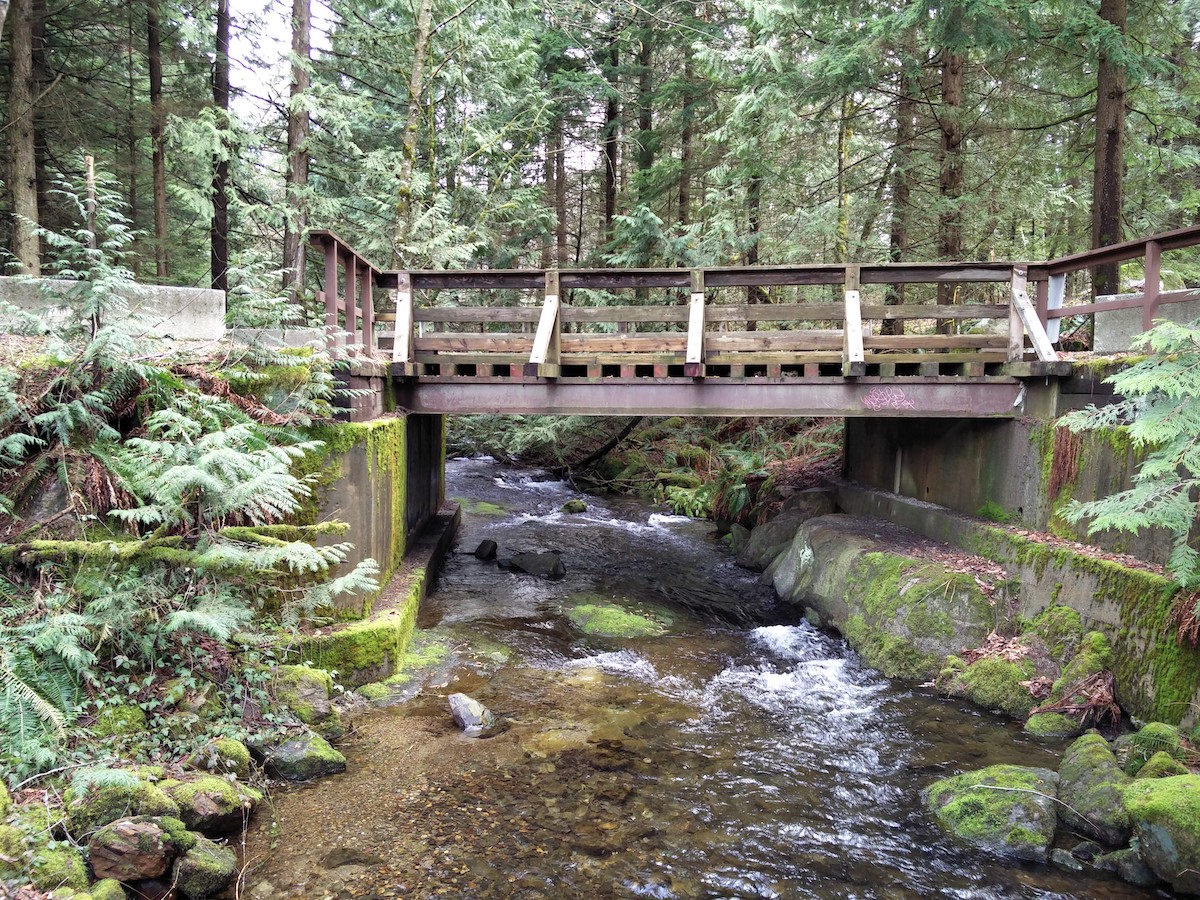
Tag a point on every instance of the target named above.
point(1091, 699)
point(1184, 618)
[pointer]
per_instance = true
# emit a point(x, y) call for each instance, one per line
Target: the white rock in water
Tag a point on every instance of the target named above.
point(470, 715)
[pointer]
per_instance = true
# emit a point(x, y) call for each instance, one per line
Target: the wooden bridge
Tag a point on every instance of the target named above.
point(833, 340)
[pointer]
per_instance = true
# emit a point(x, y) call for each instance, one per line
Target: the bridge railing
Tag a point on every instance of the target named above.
point(690, 335)
point(348, 292)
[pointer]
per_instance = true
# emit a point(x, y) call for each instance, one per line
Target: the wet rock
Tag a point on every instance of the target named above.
point(1065, 859)
point(486, 550)
point(574, 506)
point(301, 757)
point(770, 539)
point(1166, 819)
point(132, 849)
point(1129, 866)
point(205, 870)
point(609, 620)
point(349, 856)
point(1007, 810)
point(1086, 851)
point(308, 692)
point(739, 537)
point(541, 565)
point(470, 715)
point(1090, 785)
point(211, 805)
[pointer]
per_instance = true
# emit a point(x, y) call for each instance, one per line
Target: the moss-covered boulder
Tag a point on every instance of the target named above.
point(1136, 749)
point(1094, 656)
point(107, 889)
point(1162, 765)
point(119, 720)
point(1128, 865)
point(996, 683)
point(610, 620)
point(574, 506)
point(210, 804)
point(1007, 810)
point(376, 691)
point(305, 690)
point(223, 756)
point(205, 870)
point(96, 799)
point(134, 848)
point(58, 867)
point(1062, 631)
point(1166, 819)
point(1052, 726)
point(301, 757)
point(1090, 785)
point(770, 539)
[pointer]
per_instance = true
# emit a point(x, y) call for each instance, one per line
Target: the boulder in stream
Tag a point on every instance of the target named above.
point(486, 550)
point(1090, 782)
point(301, 757)
point(470, 715)
point(1166, 819)
point(541, 565)
point(1008, 810)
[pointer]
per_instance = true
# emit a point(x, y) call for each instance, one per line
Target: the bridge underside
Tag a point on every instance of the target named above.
point(957, 397)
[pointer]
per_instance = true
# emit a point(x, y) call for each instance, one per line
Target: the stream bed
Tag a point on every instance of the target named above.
point(736, 753)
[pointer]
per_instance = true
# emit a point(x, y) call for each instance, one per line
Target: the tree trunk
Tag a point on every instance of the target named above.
point(3, 14)
point(1109, 163)
point(845, 135)
point(296, 221)
point(132, 131)
point(902, 179)
point(560, 192)
point(688, 115)
point(412, 123)
point(612, 137)
point(158, 161)
point(645, 119)
point(22, 162)
point(220, 219)
point(754, 293)
point(950, 179)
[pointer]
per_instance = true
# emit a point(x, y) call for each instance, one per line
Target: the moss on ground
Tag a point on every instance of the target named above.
point(376, 690)
point(90, 805)
point(1152, 738)
point(118, 721)
point(607, 620)
point(1049, 726)
point(995, 683)
point(1162, 765)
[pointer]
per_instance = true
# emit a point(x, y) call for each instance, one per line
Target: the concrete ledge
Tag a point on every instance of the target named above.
point(1157, 678)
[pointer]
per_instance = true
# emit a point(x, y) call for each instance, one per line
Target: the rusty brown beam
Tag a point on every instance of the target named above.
point(1167, 240)
point(864, 397)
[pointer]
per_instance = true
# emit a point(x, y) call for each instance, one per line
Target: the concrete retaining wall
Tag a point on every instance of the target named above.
point(181, 313)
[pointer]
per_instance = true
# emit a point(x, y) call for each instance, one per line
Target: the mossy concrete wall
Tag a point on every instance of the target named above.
point(361, 477)
point(1156, 677)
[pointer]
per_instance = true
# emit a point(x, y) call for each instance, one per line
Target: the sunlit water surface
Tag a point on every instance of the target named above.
point(740, 754)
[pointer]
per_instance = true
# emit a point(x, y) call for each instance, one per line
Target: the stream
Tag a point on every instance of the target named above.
point(739, 753)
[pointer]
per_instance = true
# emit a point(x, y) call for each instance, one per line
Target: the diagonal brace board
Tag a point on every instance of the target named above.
point(853, 360)
point(693, 364)
point(546, 353)
point(1027, 315)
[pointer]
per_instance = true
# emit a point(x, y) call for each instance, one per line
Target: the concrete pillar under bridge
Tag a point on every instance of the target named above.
point(1020, 471)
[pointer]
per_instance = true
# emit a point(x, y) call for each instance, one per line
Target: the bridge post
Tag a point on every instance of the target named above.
point(403, 355)
point(1150, 288)
point(693, 364)
point(351, 264)
point(853, 359)
point(331, 291)
point(546, 353)
point(367, 298)
point(1023, 319)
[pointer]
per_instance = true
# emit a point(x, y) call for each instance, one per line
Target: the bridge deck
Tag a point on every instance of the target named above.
point(922, 339)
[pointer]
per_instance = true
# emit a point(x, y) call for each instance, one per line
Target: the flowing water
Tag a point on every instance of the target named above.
point(739, 753)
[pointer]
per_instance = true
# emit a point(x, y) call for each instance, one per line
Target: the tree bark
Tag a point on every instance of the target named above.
point(845, 135)
point(560, 192)
point(902, 179)
point(220, 219)
point(158, 162)
point(687, 115)
point(950, 178)
point(22, 162)
point(646, 138)
point(296, 222)
point(612, 137)
point(3, 14)
point(1108, 167)
point(412, 124)
point(754, 293)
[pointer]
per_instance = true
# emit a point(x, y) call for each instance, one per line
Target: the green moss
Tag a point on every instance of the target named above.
point(294, 686)
point(1162, 765)
point(683, 479)
point(481, 507)
point(1089, 786)
point(994, 512)
point(5, 800)
point(1052, 726)
point(107, 889)
point(995, 683)
point(1152, 738)
point(202, 798)
point(1000, 808)
point(206, 869)
point(891, 655)
point(1166, 819)
point(1061, 629)
point(232, 756)
point(376, 690)
point(114, 721)
point(574, 506)
point(92, 805)
point(56, 867)
point(606, 620)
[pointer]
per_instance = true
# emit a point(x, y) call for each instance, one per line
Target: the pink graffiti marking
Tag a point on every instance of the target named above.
point(887, 398)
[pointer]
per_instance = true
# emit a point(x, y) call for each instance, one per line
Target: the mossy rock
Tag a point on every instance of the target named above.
point(1052, 726)
point(1062, 630)
point(222, 756)
point(5, 800)
point(205, 870)
point(302, 757)
point(1095, 655)
point(1162, 765)
point(995, 683)
point(574, 506)
point(1154, 737)
point(89, 805)
point(481, 507)
point(1166, 819)
point(891, 654)
point(58, 867)
point(375, 691)
point(209, 804)
point(1090, 782)
point(681, 479)
point(1007, 810)
point(107, 889)
point(305, 690)
point(606, 620)
point(118, 721)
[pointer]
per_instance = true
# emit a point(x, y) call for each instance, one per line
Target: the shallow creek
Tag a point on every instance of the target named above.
point(741, 753)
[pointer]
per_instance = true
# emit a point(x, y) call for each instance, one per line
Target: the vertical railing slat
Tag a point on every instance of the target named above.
point(693, 364)
point(853, 357)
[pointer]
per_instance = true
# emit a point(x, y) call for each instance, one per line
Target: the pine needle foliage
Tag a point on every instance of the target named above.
point(1159, 407)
